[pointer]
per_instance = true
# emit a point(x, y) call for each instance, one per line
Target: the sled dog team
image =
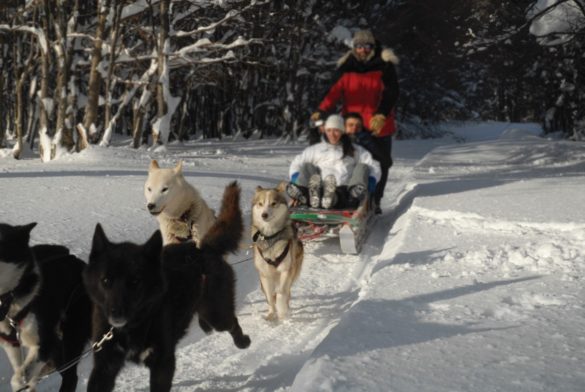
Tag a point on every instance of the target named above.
point(134, 302)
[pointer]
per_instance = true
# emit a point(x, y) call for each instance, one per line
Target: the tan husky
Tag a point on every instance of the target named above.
point(278, 253)
point(181, 211)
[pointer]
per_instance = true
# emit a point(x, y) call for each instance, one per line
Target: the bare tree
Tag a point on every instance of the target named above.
point(94, 86)
point(160, 129)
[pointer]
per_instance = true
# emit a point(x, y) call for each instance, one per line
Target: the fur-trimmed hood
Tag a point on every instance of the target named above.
point(386, 54)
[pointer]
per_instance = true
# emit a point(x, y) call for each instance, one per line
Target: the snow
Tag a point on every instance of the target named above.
point(563, 19)
point(162, 125)
point(136, 8)
point(341, 34)
point(471, 279)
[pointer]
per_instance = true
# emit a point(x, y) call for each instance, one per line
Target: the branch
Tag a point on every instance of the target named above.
point(515, 30)
point(39, 33)
point(230, 15)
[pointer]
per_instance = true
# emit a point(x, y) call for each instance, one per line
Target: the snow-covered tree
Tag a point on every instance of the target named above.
point(559, 25)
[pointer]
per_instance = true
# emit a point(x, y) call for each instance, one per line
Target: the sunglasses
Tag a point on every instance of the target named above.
point(364, 46)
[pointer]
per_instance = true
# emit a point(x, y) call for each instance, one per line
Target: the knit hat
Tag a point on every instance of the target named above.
point(335, 121)
point(363, 37)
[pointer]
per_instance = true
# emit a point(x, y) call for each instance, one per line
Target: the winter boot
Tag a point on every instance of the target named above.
point(329, 196)
point(296, 193)
point(314, 190)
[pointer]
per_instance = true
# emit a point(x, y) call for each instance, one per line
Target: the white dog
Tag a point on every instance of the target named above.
point(278, 253)
point(181, 211)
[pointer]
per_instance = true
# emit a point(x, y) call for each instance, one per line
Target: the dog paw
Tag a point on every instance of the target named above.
point(242, 341)
point(31, 388)
point(270, 316)
point(17, 382)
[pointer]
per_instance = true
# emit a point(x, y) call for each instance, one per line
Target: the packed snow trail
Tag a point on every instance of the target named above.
point(329, 286)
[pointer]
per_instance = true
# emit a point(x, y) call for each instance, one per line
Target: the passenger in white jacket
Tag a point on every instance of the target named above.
point(334, 173)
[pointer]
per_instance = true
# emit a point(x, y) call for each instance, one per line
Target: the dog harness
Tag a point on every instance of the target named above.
point(11, 337)
point(26, 284)
point(276, 262)
point(184, 218)
point(258, 236)
point(5, 302)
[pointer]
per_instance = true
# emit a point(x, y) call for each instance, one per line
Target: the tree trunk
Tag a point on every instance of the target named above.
point(159, 131)
point(64, 133)
point(19, 120)
point(21, 73)
point(112, 60)
point(137, 122)
point(93, 88)
point(46, 150)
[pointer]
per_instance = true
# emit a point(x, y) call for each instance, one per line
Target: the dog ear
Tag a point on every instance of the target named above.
point(281, 187)
point(100, 240)
point(28, 228)
point(153, 247)
point(179, 167)
point(259, 188)
point(25, 230)
point(153, 165)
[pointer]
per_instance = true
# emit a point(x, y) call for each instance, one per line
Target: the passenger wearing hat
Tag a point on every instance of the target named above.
point(333, 173)
point(354, 128)
point(366, 83)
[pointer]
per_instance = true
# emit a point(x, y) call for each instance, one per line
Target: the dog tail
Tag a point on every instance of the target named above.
point(226, 233)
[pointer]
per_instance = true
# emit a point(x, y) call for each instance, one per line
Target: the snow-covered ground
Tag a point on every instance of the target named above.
point(471, 280)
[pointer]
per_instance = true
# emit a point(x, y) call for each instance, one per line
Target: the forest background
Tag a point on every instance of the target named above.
point(79, 72)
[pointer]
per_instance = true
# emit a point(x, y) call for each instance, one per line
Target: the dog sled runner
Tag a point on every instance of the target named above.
point(350, 225)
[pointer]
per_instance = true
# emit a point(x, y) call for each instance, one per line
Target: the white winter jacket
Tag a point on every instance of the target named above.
point(327, 157)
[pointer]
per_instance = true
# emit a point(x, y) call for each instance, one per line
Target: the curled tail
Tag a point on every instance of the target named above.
point(226, 233)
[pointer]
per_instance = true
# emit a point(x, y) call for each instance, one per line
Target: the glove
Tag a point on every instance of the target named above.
point(377, 123)
point(316, 116)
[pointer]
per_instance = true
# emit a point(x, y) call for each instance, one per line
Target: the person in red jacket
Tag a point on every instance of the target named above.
point(366, 83)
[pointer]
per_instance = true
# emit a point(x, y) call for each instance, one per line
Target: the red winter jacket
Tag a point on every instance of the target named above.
point(367, 88)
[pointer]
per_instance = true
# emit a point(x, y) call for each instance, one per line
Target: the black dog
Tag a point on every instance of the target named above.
point(43, 307)
point(147, 295)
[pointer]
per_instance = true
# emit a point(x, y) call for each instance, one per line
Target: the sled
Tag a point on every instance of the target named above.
point(350, 225)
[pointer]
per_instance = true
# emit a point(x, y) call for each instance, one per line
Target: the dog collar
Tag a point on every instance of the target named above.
point(261, 237)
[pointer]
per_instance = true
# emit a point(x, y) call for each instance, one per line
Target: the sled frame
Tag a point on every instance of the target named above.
point(349, 225)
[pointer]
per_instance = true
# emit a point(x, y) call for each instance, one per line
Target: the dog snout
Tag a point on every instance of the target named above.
point(152, 209)
point(117, 322)
point(117, 317)
point(265, 215)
